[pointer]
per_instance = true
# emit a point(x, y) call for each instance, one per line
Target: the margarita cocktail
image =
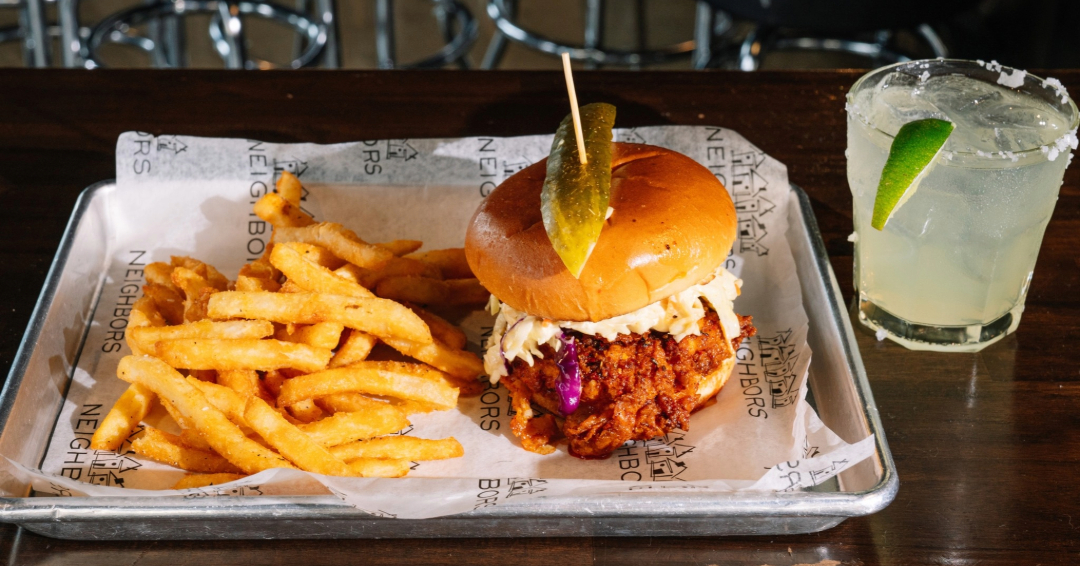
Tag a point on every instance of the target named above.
point(950, 269)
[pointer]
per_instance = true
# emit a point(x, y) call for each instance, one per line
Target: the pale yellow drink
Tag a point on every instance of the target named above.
point(951, 269)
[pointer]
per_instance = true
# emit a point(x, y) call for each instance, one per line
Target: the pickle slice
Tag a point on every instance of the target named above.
point(574, 200)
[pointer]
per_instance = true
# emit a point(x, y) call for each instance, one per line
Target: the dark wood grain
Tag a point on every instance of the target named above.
point(987, 445)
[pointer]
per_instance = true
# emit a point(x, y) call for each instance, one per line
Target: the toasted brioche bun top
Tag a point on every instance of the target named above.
point(673, 225)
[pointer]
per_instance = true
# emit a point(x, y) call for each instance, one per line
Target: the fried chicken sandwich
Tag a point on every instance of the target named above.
point(643, 337)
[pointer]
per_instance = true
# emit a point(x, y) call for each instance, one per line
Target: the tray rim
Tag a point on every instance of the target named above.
point(24, 510)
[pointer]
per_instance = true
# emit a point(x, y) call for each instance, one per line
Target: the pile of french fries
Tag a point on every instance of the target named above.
point(282, 368)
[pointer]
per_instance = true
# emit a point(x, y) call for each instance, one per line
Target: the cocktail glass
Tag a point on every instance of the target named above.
point(951, 268)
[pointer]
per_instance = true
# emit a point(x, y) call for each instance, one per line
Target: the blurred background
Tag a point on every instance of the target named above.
point(528, 34)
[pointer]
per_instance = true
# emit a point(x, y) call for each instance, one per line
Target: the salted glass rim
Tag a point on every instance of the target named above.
point(963, 65)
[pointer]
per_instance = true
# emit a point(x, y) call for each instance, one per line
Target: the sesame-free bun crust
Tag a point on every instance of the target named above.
point(673, 225)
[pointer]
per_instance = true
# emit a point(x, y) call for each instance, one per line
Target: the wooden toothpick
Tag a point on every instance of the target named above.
point(574, 108)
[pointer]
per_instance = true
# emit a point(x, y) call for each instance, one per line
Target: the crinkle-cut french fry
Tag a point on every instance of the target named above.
point(393, 379)
point(225, 437)
point(261, 268)
point(168, 449)
point(339, 241)
point(413, 407)
point(428, 291)
point(280, 213)
point(413, 289)
point(168, 301)
point(144, 313)
point(466, 292)
point(178, 417)
point(305, 411)
point(290, 189)
point(461, 365)
point(290, 441)
point(349, 403)
point(374, 468)
point(312, 277)
point(320, 335)
point(401, 247)
point(207, 375)
point(225, 400)
point(341, 428)
point(272, 382)
point(207, 271)
point(315, 254)
point(291, 287)
point(400, 447)
point(398, 267)
point(209, 353)
point(441, 329)
point(245, 283)
point(244, 382)
point(374, 316)
point(350, 272)
point(160, 273)
point(196, 310)
point(354, 348)
point(196, 288)
point(451, 262)
point(192, 481)
point(146, 337)
point(131, 408)
point(192, 439)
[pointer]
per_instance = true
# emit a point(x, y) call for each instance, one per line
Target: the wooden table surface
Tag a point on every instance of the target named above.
point(987, 445)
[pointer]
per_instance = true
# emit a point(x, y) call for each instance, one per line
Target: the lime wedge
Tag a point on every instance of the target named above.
point(913, 149)
point(574, 199)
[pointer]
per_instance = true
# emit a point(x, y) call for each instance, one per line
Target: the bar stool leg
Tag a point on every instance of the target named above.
point(304, 7)
point(749, 53)
point(158, 58)
point(384, 33)
point(497, 47)
point(703, 34)
point(642, 34)
point(933, 39)
point(594, 28)
point(35, 35)
point(233, 29)
point(174, 40)
point(70, 42)
point(331, 55)
point(446, 26)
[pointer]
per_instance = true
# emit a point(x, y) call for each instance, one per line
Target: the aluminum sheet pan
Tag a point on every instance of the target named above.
point(41, 373)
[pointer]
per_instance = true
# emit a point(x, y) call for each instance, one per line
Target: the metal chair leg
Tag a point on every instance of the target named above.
point(933, 39)
point(331, 55)
point(384, 33)
point(35, 35)
point(304, 7)
point(233, 35)
point(594, 28)
point(641, 34)
point(703, 34)
point(174, 39)
point(71, 47)
point(158, 58)
point(496, 9)
point(325, 13)
point(446, 26)
point(748, 53)
point(497, 47)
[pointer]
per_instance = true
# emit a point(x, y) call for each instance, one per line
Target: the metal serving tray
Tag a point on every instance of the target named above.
point(42, 370)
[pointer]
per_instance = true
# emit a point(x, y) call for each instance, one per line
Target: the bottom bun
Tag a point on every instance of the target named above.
point(712, 383)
